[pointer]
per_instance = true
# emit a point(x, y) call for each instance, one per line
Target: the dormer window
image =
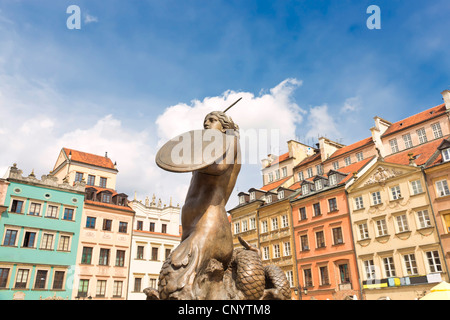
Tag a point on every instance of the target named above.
point(446, 154)
point(269, 198)
point(318, 184)
point(333, 180)
point(106, 197)
point(305, 189)
point(281, 194)
point(252, 195)
point(241, 199)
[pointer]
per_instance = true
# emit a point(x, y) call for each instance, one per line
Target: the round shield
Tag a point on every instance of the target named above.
point(193, 150)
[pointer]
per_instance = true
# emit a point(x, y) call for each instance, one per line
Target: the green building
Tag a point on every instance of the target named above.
point(39, 233)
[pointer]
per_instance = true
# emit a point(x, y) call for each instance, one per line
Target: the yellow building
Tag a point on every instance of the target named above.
point(397, 245)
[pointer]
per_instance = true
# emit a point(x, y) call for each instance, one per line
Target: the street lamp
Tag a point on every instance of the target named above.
point(298, 291)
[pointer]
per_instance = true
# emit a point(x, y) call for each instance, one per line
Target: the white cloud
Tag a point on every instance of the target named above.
point(351, 104)
point(89, 18)
point(321, 123)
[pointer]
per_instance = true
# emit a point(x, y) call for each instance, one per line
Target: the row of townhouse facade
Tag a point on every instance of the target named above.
point(370, 220)
point(71, 235)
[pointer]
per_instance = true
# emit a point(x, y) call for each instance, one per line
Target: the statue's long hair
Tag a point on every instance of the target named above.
point(226, 121)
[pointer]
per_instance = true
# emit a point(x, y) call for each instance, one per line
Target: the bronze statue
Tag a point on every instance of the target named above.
point(204, 266)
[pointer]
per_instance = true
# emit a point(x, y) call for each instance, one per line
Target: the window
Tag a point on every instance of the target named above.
point(381, 227)
point(140, 253)
point(284, 172)
point(237, 227)
point(274, 223)
point(376, 198)
point(359, 203)
point(117, 289)
point(307, 274)
point(123, 226)
point(335, 165)
point(252, 223)
point(394, 145)
point(369, 268)
point(446, 154)
point(300, 176)
point(104, 257)
point(304, 242)
point(437, 132)
point(434, 262)
point(244, 225)
point(35, 209)
point(324, 280)
point(290, 277)
point(22, 278)
point(120, 258)
point(284, 221)
point(402, 223)
point(424, 219)
point(389, 267)
point(410, 264)
point(17, 206)
point(265, 253)
point(83, 288)
point(305, 189)
point(332, 204)
point(270, 176)
point(107, 224)
point(86, 256)
point(152, 226)
point(90, 222)
point(363, 231)
point(333, 179)
point(416, 187)
point(359, 156)
point(422, 135)
point(320, 239)
point(4, 273)
point(101, 288)
point(28, 239)
point(47, 241)
point(347, 161)
point(52, 212)
point(78, 176)
point(64, 243)
point(91, 180)
point(337, 235)
point(153, 283)
point(277, 174)
point(442, 188)
point(167, 253)
point(106, 197)
point(10, 237)
point(344, 274)
point(68, 214)
point(276, 251)
point(103, 182)
point(264, 226)
point(41, 279)
point(319, 169)
point(241, 199)
point(407, 140)
point(154, 254)
point(286, 249)
point(316, 207)
point(318, 184)
point(281, 194)
point(137, 284)
point(302, 213)
point(268, 198)
point(58, 280)
point(309, 172)
point(140, 225)
point(395, 192)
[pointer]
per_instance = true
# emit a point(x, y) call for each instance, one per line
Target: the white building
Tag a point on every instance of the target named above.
point(156, 232)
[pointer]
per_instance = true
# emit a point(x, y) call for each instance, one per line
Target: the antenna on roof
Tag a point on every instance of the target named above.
point(232, 105)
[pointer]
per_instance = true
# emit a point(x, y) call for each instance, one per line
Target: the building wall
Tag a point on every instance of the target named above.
point(51, 257)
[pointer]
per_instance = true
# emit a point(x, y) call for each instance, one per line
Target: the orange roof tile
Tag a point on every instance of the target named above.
point(275, 184)
point(89, 158)
point(415, 119)
point(354, 167)
point(422, 153)
point(309, 159)
point(108, 205)
point(283, 157)
point(296, 185)
point(351, 147)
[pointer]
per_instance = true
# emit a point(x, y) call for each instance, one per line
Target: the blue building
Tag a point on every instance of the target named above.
point(39, 233)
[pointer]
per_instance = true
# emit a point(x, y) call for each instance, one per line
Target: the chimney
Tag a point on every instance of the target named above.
point(446, 97)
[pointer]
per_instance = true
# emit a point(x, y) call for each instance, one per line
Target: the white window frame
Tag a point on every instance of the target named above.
point(244, 225)
point(333, 179)
point(270, 176)
point(410, 264)
point(396, 193)
point(264, 226)
point(416, 187)
point(394, 145)
point(369, 269)
point(286, 249)
point(363, 231)
point(437, 132)
point(424, 218)
point(381, 227)
point(301, 176)
point(389, 267)
point(421, 133)
point(359, 203)
point(359, 156)
point(284, 221)
point(348, 161)
point(402, 223)
point(376, 198)
point(274, 223)
point(280, 195)
point(237, 227)
point(276, 251)
point(407, 140)
point(434, 261)
point(309, 172)
point(252, 223)
point(442, 188)
point(284, 172)
point(336, 165)
point(446, 155)
point(318, 184)
point(265, 253)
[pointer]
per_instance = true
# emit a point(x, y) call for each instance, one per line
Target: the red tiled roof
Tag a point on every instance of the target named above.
point(89, 158)
point(108, 205)
point(296, 185)
point(354, 167)
point(415, 119)
point(309, 159)
point(351, 147)
point(422, 153)
point(275, 184)
point(283, 157)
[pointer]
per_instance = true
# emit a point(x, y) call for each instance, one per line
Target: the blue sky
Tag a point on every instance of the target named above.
point(103, 87)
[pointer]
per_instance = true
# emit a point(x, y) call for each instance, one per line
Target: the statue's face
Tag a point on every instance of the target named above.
point(212, 122)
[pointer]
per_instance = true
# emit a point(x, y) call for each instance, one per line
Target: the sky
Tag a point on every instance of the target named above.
point(138, 72)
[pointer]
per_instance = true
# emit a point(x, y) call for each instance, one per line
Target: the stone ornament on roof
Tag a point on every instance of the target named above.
point(382, 175)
